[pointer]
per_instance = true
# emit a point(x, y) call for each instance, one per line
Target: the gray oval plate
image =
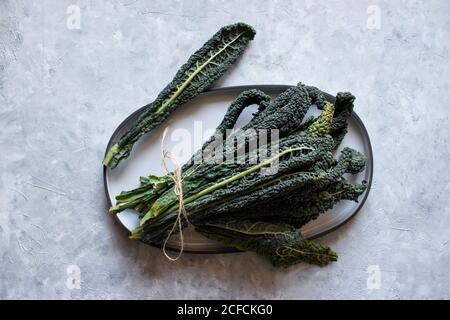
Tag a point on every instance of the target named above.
point(200, 117)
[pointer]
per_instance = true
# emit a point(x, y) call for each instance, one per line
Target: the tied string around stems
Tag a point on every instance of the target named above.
point(176, 176)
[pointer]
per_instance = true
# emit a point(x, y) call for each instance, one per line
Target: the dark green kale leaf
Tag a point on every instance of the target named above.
point(285, 113)
point(217, 203)
point(303, 209)
point(321, 126)
point(280, 243)
point(317, 97)
point(245, 99)
point(343, 111)
point(205, 66)
point(302, 206)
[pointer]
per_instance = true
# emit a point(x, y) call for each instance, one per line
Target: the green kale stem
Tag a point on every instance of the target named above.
point(110, 154)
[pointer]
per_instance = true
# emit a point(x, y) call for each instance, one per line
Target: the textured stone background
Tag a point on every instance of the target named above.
point(63, 91)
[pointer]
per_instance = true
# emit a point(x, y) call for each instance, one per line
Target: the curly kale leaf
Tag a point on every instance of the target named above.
point(317, 97)
point(302, 206)
point(298, 213)
point(322, 125)
point(205, 66)
point(285, 113)
point(343, 111)
point(280, 243)
point(264, 194)
point(245, 99)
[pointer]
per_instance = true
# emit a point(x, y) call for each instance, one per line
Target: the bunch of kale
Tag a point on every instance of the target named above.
point(234, 203)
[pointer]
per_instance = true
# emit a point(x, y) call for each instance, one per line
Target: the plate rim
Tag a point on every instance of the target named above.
point(265, 88)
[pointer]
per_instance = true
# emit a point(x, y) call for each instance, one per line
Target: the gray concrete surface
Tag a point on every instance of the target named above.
point(63, 91)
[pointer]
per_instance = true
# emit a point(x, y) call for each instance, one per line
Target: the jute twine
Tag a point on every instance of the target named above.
point(176, 176)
